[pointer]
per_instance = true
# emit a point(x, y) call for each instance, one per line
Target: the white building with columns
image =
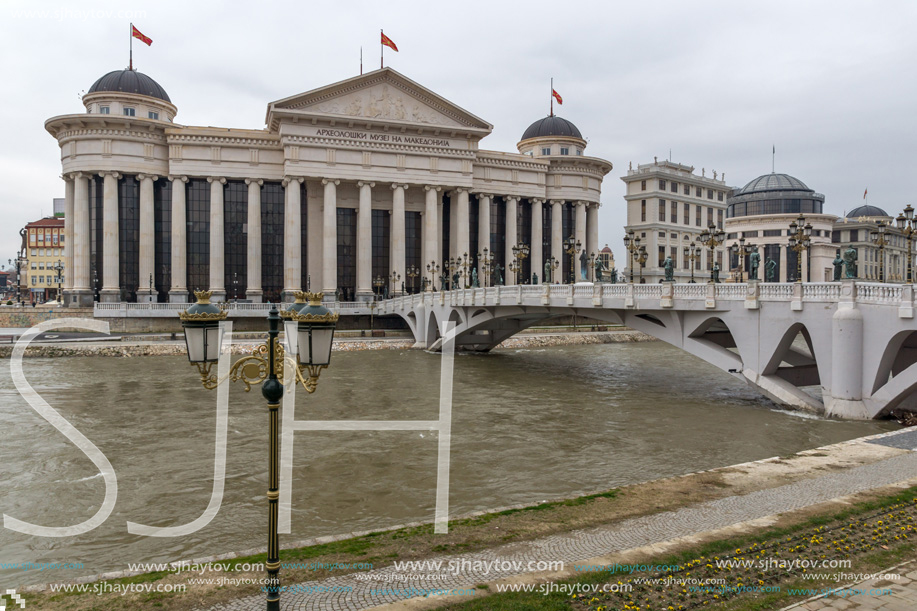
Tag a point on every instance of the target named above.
point(350, 188)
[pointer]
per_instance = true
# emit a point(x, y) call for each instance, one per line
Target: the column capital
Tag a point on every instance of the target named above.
point(396, 185)
point(581, 202)
point(330, 181)
point(73, 175)
point(152, 177)
point(181, 178)
point(288, 179)
point(513, 198)
point(114, 175)
point(256, 181)
point(537, 200)
point(459, 190)
point(212, 179)
point(364, 183)
point(487, 195)
point(557, 202)
point(432, 188)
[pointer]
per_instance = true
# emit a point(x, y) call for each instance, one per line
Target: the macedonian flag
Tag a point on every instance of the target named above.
point(139, 36)
point(388, 42)
point(557, 97)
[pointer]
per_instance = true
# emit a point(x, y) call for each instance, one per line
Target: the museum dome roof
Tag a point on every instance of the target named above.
point(129, 81)
point(773, 182)
point(866, 210)
point(551, 126)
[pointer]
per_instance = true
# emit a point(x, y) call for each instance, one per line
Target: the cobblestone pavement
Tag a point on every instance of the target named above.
point(871, 595)
point(381, 586)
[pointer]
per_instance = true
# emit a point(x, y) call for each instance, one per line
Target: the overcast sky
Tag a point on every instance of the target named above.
point(831, 84)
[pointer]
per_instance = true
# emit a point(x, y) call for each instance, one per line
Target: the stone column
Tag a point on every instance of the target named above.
point(784, 272)
point(536, 253)
point(483, 231)
point(592, 230)
point(453, 226)
point(178, 292)
point(66, 243)
point(580, 228)
point(463, 230)
point(557, 239)
point(111, 287)
point(147, 239)
point(79, 241)
point(292, 237)
point(330, 239)
point(431, 229)
point(396, 262)
point(365, 242)
point(253, 291)
point(217, 243)
point(512, 207)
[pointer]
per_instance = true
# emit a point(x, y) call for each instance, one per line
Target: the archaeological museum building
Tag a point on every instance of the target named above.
point(371, 185)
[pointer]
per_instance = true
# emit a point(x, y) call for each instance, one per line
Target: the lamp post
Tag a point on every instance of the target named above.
point(267, 365)
point(487, 265)
point(632, 244)
point(412, 272)
point(464, 263)
point(800, 234)
point(692, 254)
point(641, 259)
point(572, 248)
point(396, 278)
point(520, 252)
point(432, 269)
point(378, 283)
point(95, 283)
point(879, 238)
point(591, 267)
point(907, 224)
point(742, 250)
point(58, 269)
point(553, 264)
point(711, 238)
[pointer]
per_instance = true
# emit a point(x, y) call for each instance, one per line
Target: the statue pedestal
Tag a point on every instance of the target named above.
point(668, 294)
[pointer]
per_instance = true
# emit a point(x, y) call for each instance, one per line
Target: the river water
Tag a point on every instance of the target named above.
point(528, 425)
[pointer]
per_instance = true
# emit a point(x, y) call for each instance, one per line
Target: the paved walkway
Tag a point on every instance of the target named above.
point(870, 595)
point(365, 586)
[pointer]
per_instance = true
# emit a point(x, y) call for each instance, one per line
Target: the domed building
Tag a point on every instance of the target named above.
point(370, 177)
point(761, 213)
point(858, 229)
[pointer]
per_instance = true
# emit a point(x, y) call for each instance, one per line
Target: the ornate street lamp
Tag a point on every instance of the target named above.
point(378, 283)
point(908, 225)
point(572, 248)
point(267, 365)
point(879, 238)
point(692, 254)
point(59, 268)
point(396, 278)
point(520, 252)
point(591, 267)
point(432, 269)
point(464, 264)
point(799, 240)
point(712, 238)
point(552, 265)
point(742, 250)
point(487, 265)
point(412, 272)
point(632, 244)
point(641, 259)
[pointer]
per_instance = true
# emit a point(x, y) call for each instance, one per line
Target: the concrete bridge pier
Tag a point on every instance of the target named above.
point(844, 396)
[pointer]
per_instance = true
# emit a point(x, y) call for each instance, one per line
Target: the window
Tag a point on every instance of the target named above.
point(104, 110)
point(564, 150)
point(687, 219)
point(697, 214)
point(709, 215)
point(41, 265)
point(687, 189)
point(579, 151)
point(661, 255)
point(546, 150)
point(34, 252)
point(129, 112)
point(719, 219)
point(35, 265)
point(750, 234)
point(41, 279)
point(153, 115)
point(771, 233)
point(643, 211)
point(662, 234)
point(643, 185)
point(674, 236)
point(673, 218)
point(698, 191)
point(662, 185)
point(732, 236)
point(709, 193)
point(33, 280)
point(674, 187)
point(719, 196)
point(673, 252)
point(661, 210)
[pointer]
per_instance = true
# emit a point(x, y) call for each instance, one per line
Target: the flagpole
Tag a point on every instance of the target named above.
point(552, 96)
point(773, 156)
point(381, 50)
point(130, 65)
point(361, 60)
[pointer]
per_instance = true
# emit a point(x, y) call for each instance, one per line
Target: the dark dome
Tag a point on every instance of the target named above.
point(773, 182)
point(551, 126)
point(865, 211)
point(130, 81)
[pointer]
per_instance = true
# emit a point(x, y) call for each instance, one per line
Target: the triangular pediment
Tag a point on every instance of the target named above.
point(382, 96)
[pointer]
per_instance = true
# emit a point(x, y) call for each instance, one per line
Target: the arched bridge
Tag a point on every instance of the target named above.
point(856, 340)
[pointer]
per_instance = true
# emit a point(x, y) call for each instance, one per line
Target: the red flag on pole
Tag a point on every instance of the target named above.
point(388, 43)
point(557, 97)
point(864, 193)
point(139, 36)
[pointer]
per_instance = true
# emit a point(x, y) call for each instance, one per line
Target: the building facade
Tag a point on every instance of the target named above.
point(43, 271)
point(857, 228)
point(668, 206)
point(352, 186)
point(762, 211)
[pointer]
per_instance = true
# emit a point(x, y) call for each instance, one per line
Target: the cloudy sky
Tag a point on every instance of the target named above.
point(831, 84)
